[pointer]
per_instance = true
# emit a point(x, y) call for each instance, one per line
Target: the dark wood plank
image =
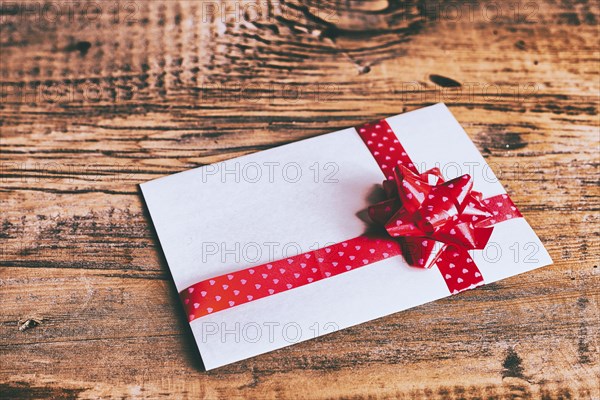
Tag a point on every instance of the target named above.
point(96, 100)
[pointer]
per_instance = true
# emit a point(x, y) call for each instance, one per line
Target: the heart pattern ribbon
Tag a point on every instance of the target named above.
point(421, 213)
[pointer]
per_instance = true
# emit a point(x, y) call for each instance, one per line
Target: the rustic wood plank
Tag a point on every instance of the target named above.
point(96, 101)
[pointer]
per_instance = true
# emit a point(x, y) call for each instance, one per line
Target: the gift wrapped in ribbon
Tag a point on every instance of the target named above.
point(413, 214)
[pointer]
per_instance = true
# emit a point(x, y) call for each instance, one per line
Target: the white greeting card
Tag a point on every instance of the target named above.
point(296, 198)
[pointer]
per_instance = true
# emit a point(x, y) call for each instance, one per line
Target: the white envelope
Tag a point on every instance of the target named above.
point(298, 197)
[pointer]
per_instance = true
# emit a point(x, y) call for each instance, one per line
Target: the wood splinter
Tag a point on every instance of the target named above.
point(29, 323)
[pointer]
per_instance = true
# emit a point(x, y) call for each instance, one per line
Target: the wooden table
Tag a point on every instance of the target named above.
point(98, 97)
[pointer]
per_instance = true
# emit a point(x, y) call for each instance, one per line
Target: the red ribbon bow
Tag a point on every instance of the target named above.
point(423, 209)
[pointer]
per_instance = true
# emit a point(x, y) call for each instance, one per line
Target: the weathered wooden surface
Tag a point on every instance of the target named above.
point(96, 100)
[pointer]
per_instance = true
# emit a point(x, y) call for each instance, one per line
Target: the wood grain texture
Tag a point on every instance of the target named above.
point(97, 97)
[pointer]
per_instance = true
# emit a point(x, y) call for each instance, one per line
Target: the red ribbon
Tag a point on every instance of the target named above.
point(421, 210)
